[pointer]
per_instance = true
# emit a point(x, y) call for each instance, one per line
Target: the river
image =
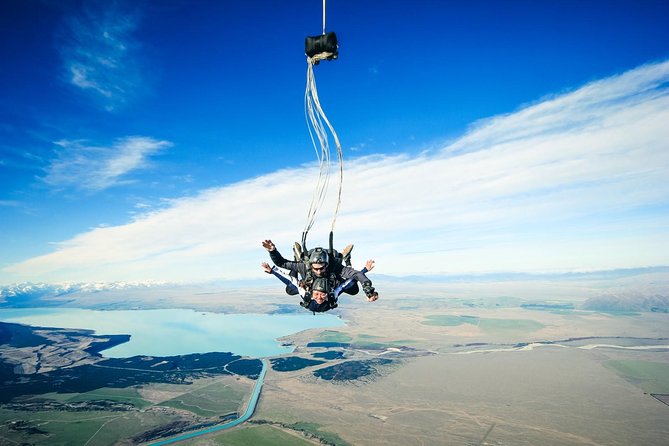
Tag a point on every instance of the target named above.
point(253, 402)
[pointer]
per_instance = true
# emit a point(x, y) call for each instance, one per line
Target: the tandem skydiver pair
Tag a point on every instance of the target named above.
point(320, 275)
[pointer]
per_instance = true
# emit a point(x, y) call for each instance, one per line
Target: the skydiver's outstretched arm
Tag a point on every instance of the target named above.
point(349, 282)
point(292, 284)
point(280, 261)
point(346, 272)
point(367, 287)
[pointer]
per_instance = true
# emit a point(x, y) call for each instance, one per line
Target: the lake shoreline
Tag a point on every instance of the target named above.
point(250, 335)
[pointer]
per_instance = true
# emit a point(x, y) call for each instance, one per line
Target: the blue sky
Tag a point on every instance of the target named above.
point(164, 140)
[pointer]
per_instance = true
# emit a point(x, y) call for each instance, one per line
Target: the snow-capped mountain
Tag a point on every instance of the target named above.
point(34, 290)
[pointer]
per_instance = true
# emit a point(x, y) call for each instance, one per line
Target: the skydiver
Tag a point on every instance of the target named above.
point(322, 298)
point(295, 286)
point(319, 266)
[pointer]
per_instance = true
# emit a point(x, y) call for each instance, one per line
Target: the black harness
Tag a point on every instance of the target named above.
point(333, 281)
point(334, 263)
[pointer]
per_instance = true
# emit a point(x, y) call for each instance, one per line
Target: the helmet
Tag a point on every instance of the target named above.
point(322, 285)
point(318, 255)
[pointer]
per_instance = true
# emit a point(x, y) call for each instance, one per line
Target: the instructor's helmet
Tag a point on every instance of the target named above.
point(319, 255)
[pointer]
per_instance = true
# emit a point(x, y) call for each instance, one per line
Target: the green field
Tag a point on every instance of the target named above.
point(501, 326)
point(333, 336)
point(70, 428)
point(367, 337)
point(489, 326)
point(315, 429)
point(204, 397)
point(651, 377)
point(447, 320)
point(210, 400)
point(126, 395)
point(258, 436)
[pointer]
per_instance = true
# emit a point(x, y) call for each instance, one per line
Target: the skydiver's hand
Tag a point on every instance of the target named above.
point(369, 290)
point(268, 245)
point(369, 265)
point(266, 267)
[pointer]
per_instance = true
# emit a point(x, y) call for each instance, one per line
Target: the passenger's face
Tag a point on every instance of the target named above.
point(318, 269)
point(319, 297)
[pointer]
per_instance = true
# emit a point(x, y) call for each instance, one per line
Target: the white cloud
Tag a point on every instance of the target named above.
point(94, 168)
point(99, 54)
point(578, 181)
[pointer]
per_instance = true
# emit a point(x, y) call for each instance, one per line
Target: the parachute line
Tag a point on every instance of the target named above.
point(318, 125)
point(323, 16)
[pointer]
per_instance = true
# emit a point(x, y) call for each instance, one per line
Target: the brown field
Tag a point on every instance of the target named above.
point(547, 395)
point(439, 391)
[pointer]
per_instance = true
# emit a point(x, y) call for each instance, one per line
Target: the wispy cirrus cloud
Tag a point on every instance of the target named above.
point(100, 54)
point(577, 181)
point(94, 168)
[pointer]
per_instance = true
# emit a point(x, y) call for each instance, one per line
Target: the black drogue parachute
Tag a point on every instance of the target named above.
point(323, 47)
point(321, 131)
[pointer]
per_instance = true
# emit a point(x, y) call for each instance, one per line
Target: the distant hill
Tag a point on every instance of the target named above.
point(628, 302)
point(522, 276)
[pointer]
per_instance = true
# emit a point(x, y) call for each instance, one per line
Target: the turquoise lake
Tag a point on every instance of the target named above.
point(178, 332)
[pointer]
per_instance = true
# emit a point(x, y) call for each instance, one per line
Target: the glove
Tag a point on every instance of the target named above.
point(368, 288)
